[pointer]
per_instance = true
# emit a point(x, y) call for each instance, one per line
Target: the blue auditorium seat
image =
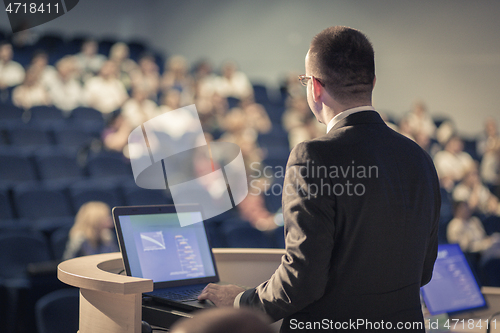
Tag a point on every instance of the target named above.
point(6, 212)
point(240, 234)
point(16, 167)
point(105, 46)
point(108, 165)
point(58, 164)
point(95, 190)
point(87, 117)
point(46, 113)
point(58, 240)
point(37, 202)
point(275, 113)
point(136, 48)
point(135, 196)
point(276, 137)
point(260, 94)
point(29, 136)
point(73, 137)
point(17, 250)
point(10, 112)
point(233, 102)
point(58, 311)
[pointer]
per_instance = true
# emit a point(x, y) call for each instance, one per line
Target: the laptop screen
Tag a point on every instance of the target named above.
point(453, 287)
point(155, 246)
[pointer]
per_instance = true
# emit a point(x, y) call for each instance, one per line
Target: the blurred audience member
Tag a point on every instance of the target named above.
point(89, 61)
point(92, 231)
point(105, 92)
point(176, 76)
point(11, 72)
point(204, 80)
point(256, 116)
point(224, 320)
point(48, 73)
point(489, 148)
point(253, 207)
point(147, 76)
point(237, 131)
point(139, 109)
point(31, 92)
point(405, 129)
point(171, 100)
point(445, 131)
point(119, 54)
point(115, 135)
point(468, 231)
point(478, 196)
point(452, 163)
point(293, 87)
point(300, 122)
point(66, 91)
point(233, 83)
point(419, 120)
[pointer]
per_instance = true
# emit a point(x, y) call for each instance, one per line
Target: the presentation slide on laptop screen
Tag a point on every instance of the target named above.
point(453, 287)
point(158, 248)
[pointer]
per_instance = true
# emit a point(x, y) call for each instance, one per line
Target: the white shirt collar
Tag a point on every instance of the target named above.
point(346, 113)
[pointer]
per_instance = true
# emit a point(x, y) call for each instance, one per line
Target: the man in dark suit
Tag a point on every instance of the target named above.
point(361, 207)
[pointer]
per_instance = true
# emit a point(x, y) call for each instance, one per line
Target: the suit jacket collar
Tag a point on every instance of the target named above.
point(363, 117)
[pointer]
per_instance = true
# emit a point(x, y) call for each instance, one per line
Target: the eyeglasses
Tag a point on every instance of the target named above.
point(304, 79)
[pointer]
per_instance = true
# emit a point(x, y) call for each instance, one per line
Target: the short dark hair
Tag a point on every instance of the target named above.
point(344, 61)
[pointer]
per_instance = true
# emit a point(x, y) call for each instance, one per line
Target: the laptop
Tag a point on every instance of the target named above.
point(178, 259)
point(453, 288)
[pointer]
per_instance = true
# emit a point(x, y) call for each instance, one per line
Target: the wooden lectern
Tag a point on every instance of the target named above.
point(109, 302)
point(112, 303)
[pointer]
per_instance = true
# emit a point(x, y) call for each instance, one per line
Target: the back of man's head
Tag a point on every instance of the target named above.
point(343, 59)
point(224, 320)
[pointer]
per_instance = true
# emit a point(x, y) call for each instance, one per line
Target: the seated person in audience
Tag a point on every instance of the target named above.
point(452, 163)
point(11, 72)
point(176, 76)
point(139, 109)
point(299, 121)
point(119, 54)
point(405, 129)
point(419, 120)
point(468, 231)
point(253, 207)
point(489, 148)
point(89, 61)
point(293, 86)
point(115, 135)
point(48, 73)
point(92, 232)
point(105, 92)
point(171, 100)
point(147, 76)
point(478, 196)
point(224, 320)
point(256, 115)
point(31, 92)
point(204, 80)
point(237, 130)
point(233, 83)
point(66, 92)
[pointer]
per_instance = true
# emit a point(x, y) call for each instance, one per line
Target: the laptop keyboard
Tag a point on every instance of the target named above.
point(184, 295)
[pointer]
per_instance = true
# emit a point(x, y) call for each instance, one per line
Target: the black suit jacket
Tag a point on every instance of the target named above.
point(361, 207)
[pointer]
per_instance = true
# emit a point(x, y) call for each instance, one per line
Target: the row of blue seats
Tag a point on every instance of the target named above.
point(38, 200)
point(54, 163)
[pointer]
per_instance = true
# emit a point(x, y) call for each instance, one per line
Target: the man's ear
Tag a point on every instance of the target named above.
point(317, 90)
point(374, 80)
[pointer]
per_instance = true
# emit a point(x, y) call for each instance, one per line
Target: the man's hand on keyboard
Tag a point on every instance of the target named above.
point(220, 295)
